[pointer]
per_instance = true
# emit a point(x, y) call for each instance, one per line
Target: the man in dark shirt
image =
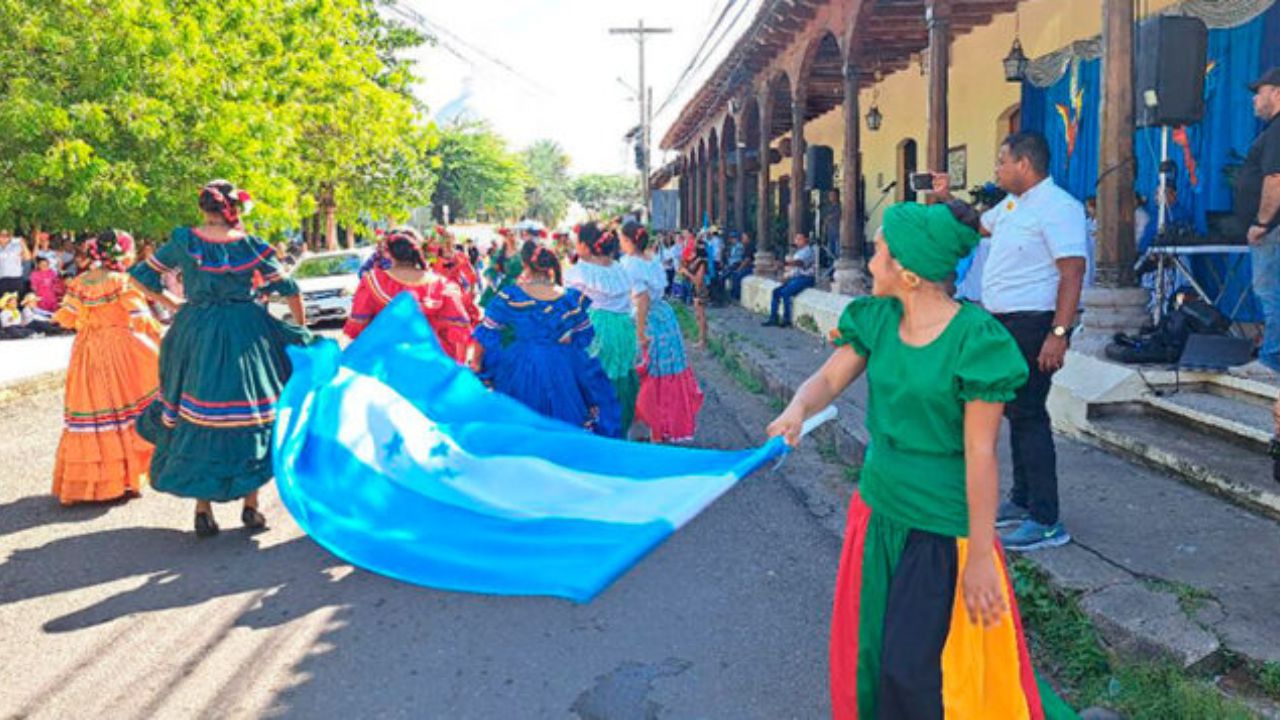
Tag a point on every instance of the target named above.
point(1257, 199)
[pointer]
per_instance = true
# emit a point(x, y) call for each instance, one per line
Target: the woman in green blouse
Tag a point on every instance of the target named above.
point(924, 622)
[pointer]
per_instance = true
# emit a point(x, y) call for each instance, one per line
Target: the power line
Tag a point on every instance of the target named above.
point(697, 63)
point(719, 17)
point(437, 30)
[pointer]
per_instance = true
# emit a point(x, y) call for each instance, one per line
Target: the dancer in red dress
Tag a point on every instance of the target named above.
point(441, 300)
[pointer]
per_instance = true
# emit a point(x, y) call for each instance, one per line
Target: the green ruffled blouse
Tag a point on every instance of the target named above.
point(914, 470)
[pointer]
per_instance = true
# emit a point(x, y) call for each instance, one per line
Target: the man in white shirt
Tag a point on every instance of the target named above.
point(13, 255)
point(1031, 283)
point(801, 273)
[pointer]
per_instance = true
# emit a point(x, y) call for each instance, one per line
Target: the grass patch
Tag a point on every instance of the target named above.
point(852, 473)
point(808, 324)
point(719, 350)
point(1190, 599)
point(1267, 676)
point(1067, 647)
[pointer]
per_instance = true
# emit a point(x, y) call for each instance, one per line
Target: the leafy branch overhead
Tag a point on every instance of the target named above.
point(114, 113)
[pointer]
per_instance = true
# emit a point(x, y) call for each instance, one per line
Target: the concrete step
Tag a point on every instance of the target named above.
point(1222, 456)
point(1241, 418)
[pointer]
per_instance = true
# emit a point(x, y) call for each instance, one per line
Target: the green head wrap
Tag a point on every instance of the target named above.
point(927, 239)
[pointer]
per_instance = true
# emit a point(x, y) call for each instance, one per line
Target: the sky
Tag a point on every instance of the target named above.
point(563, 83)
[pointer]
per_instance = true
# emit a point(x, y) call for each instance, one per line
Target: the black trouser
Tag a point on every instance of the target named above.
point(1035, 462)
point(13, 285)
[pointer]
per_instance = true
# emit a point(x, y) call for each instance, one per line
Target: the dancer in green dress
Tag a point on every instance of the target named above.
point(222, 363)
point(925, 623)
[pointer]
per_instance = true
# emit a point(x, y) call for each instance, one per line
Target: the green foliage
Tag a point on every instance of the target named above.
point(1067, 647)
point(547, 194)
point(114, 113)
point(477, 173)
point(607, 195)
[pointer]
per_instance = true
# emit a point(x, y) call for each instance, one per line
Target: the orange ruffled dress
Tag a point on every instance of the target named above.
point(113, 375)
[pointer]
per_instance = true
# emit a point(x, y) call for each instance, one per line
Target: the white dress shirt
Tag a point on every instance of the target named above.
point(1029, 234)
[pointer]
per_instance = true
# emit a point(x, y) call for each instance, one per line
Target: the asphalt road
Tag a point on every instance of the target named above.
point(120, 612)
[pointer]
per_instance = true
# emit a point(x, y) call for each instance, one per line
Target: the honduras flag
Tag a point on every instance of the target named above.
point(400, 461)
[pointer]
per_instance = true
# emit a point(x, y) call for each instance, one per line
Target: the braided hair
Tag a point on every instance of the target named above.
point(220, 197)
point(600, 243)
point(540, 259)
point(404, 245)
point(109, 249)
point(637, 234)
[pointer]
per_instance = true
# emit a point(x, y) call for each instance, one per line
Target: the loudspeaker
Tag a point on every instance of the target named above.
point(1170, 59)
point(819, 166)
point(1215, 352)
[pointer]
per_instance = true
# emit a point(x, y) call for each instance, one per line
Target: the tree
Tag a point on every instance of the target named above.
point(547, 194)
point(607, 195)
point(114, 113)
point(477, 173)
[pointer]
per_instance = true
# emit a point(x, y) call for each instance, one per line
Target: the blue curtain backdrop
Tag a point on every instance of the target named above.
point(1238, 56)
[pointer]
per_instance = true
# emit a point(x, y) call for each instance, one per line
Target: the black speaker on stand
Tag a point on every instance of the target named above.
point(819, 167)
point(1170, 59)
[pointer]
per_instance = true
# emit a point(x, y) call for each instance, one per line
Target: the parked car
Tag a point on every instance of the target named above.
point(328, 282)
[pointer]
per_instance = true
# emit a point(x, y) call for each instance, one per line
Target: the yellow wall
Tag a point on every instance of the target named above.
point(978, 93)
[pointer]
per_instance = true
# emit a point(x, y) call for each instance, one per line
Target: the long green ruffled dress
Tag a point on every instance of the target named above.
point(222, 367)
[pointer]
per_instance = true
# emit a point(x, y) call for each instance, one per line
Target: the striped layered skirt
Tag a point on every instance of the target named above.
point(902, 643)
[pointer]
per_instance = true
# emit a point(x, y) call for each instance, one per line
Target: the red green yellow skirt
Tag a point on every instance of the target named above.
point(902, 644)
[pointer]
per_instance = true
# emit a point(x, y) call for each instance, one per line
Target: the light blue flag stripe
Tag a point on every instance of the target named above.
point(398, 460)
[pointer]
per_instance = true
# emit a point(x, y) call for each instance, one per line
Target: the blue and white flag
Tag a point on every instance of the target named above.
point(400, 461)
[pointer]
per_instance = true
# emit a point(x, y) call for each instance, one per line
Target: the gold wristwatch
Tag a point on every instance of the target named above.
point(1061, 331)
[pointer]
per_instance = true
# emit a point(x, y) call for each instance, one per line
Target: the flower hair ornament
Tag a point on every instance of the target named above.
point(109, 249)
point(231, 202)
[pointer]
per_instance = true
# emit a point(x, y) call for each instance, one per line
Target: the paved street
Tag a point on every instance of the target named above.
point(119, 612)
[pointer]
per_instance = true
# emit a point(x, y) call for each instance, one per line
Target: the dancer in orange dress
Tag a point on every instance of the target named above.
point(113, 375)
point(441, 300)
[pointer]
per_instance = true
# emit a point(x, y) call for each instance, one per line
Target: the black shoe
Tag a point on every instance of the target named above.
point(786, 324)
point(205, 525)
point(769, 323)
point(252, 519)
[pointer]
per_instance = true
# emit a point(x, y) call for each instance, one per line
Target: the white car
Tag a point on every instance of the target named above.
point(328, 282)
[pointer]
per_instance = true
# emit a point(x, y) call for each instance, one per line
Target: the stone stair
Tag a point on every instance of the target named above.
point(1212, 434)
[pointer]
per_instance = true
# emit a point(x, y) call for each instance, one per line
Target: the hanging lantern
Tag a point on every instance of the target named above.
point(1015, 63)
point(874, 118)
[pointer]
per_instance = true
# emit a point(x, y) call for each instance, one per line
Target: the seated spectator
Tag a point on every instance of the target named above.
point(11, 327)
point(801, 270)
point(37, 319)
point(742, 262)
point(46, 285)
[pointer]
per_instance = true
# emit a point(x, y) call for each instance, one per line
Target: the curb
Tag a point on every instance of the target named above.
point(1116, 600)
point(33, 385)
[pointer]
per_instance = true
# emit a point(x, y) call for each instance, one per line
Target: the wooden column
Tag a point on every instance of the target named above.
point(851, 230)
point(850, 278)
point(1115, 250)
point(722, 187)
point(740, 176)
point(708, 197)
point(698, 194)
point(765, 264)
point(938, 19)
point(796, 221)
point(684, 196)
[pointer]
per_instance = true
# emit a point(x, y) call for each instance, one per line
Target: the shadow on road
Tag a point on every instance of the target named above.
point(45, 510)
point(180, 571)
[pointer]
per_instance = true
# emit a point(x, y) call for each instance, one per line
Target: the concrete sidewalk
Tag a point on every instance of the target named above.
point(33, 364)
point(1163, 568)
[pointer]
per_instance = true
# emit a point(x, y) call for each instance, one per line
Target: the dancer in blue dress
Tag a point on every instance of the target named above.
point(533, 346)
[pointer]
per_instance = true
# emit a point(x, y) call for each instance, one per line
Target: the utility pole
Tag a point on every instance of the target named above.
point(640, 31)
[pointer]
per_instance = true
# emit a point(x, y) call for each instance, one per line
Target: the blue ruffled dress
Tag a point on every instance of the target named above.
point(536, 352)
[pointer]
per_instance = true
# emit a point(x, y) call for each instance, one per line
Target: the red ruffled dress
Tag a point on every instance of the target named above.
point(441, 300)
point(669, 398)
